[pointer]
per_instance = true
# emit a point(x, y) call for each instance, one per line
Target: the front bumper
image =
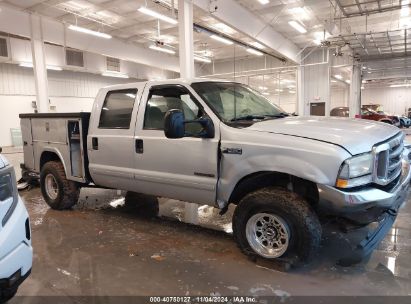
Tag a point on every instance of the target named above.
point(16, 253)
point(366, 201)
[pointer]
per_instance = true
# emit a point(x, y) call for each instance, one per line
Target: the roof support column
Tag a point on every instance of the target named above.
point(355, 91)
point(313, 82)
point(39, 64)
point(186, 46)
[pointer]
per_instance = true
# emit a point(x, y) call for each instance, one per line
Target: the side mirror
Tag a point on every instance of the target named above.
point(174, 125)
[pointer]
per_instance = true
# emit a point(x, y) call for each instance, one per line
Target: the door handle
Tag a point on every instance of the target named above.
point(94, 143)
point(139, 146)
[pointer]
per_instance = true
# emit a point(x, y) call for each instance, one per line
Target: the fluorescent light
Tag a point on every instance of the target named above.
point(338, 76)
point(405, 10)
point(154, 14)
point(291, 87)
point(332, 80)
point(48, 67)
point(400, 85)
point(254, 52)
point(257, 45)
point(300, 13)
point(114, 74)
point(26, 64)
point(264, 2)
point(202, 59)
point(87, 31)
point(348, 81)
point(160, 49)
point(265, 93)
point(362, 87)
point(221, 39)
point(54, 68)
point(278, 90)
point(224, 28)
point(297, 26)
point(317, 42)
point(263, 88)
point(291, 92)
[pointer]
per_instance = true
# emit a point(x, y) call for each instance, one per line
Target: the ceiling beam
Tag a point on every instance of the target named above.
point(238, 17)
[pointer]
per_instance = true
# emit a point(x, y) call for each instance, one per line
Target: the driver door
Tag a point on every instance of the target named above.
point(185, 169)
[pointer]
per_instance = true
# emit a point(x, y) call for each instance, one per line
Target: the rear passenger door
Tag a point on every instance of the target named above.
point(110, 142)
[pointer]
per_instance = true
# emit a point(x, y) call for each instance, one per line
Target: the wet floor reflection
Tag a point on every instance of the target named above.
point(103, 247)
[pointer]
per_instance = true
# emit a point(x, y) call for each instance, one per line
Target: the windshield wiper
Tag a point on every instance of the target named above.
point(248, 117)
point(282, 114)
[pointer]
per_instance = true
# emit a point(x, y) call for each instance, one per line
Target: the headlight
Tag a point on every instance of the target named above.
point(7, 195)
point(356, 171)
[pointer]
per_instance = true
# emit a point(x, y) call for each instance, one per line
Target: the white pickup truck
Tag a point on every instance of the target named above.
point(221, 143)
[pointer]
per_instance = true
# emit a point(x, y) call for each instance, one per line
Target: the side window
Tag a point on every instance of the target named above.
point(117, 109)
point(163, 99)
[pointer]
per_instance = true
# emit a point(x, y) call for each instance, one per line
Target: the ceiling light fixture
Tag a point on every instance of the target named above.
point(221, 39)
point(257, 45)
point(154, 14)
point(160, 49)
point(202, 59)
point(265, 93)
point(254, 52)
point(297, 26)
point(114, 74)
point(262, 88)
point(90, 32)
point(406, 85)
point(54, 68)
point(338, 76)
point(48, 67)
point(264, 2)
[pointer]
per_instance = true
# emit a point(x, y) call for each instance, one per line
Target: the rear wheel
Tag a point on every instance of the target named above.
point(58, 192)
point(146, 205)
point(274, 223)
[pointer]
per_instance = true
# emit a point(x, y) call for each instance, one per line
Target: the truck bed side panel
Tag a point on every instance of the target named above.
point(63, 134)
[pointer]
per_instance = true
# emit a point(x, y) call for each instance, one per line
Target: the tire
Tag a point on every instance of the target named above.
point(296, 224)
point(66, 192)
point(7, 295)
point(147, 205)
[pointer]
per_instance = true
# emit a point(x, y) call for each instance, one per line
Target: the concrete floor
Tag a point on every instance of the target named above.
point(104, 248)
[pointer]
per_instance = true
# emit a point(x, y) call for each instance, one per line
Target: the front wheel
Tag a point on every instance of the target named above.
point(274, 223)
point(58, 192)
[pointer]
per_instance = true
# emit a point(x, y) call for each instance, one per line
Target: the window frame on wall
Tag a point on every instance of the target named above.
point(133, 91)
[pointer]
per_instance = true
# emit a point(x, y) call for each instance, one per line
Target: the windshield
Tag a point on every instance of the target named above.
point(234, 101)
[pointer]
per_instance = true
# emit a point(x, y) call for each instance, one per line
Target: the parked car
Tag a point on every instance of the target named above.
point(221, 143)
point(366, 113)
point(405, 122)
point(15, 237)
point(340, 112)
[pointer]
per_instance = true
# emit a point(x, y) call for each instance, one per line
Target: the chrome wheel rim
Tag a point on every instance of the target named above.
point(51, 186)
point(268, 235)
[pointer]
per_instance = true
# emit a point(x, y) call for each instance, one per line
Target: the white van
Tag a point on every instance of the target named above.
point(16, 253)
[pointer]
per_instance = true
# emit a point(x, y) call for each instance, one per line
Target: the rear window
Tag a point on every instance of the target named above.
point(117, 109)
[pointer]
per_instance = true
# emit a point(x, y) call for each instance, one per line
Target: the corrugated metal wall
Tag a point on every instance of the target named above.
point(15, 80)
point(394, 100)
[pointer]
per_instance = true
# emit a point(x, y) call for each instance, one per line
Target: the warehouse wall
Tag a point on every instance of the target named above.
point(69, 92)
point(339, 97)
point(394, 100)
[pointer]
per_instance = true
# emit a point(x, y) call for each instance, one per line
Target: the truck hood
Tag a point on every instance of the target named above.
point(355, 135)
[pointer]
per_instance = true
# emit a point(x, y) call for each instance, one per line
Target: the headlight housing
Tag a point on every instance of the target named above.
point(8, 194)
point(356, 171)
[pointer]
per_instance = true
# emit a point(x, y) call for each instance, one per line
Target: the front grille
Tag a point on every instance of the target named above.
point(387, 160)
